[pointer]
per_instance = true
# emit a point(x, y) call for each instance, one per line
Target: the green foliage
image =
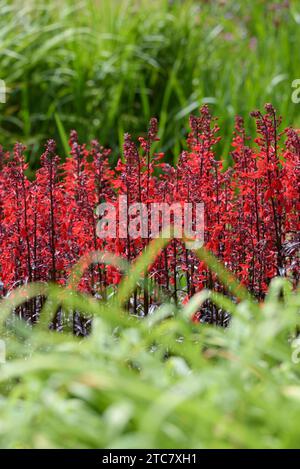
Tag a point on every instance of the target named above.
point(105, 66)
point(160, 382)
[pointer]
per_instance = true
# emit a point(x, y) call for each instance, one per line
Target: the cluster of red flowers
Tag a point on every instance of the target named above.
point(251, 209)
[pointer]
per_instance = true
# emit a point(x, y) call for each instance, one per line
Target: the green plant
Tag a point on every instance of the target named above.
point(103, 66)
point(161, 382)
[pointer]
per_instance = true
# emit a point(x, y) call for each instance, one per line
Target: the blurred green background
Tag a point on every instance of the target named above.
point(106, 66)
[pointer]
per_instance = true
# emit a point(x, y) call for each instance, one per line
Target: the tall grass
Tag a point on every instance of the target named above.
point(160, 382)
point(106, 65)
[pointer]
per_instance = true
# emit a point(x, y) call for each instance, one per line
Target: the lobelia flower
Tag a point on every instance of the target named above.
point(252, 211)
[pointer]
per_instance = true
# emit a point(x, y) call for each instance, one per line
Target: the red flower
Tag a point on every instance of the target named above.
point(251, 210)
